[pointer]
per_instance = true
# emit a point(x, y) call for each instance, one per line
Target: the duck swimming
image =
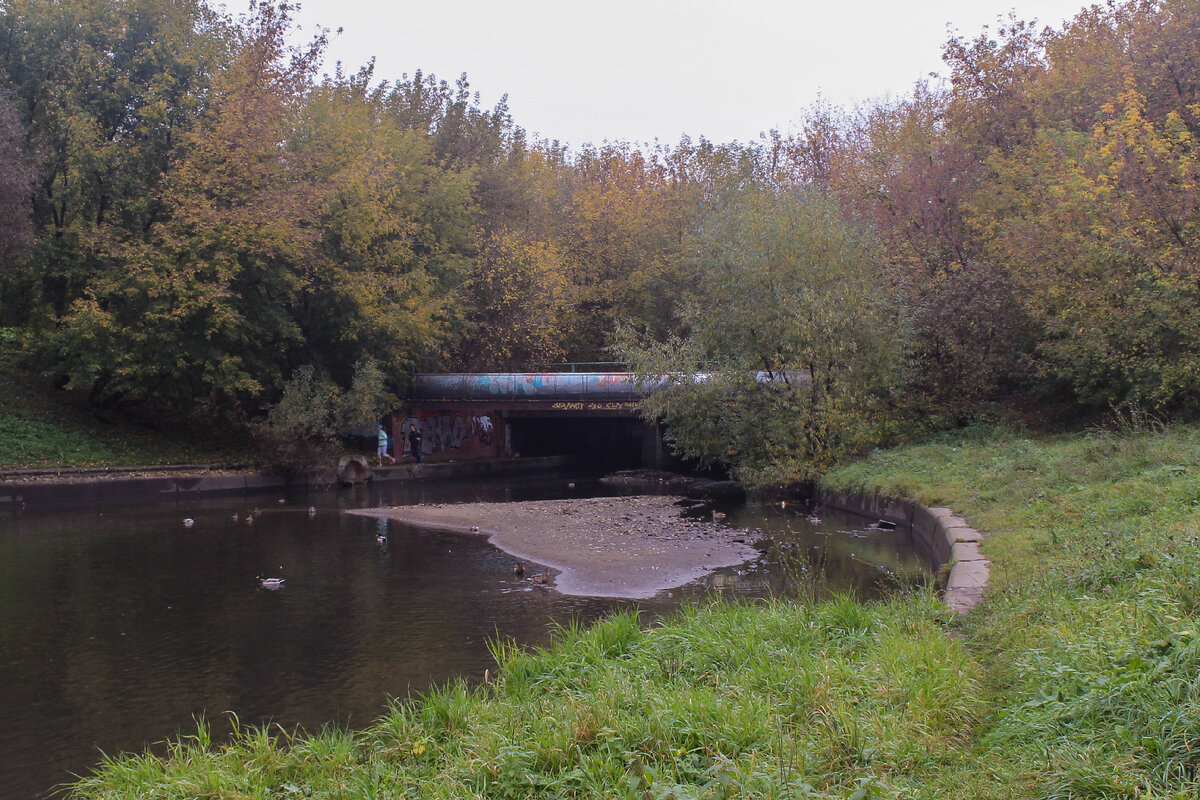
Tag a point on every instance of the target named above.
point(269, 583)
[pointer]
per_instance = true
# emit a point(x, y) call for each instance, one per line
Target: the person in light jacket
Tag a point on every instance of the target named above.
point(382, 450)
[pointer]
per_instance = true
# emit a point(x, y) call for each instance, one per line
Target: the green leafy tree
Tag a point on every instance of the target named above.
point(368, 398)
point(106, 89)
point(789, 350)
point(202, 308)
point(17, 174)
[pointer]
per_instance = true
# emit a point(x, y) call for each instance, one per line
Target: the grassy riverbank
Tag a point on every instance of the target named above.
point(774, 701)
point(42, 427)
point(1078, 677)
point(1089, 640)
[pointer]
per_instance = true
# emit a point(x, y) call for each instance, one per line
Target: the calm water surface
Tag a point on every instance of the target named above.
point(119, 627)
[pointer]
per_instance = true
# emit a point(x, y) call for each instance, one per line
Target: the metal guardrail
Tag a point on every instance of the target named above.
point(574, 366)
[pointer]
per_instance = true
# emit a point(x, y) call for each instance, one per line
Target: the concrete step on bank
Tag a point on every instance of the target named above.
point(949, 539)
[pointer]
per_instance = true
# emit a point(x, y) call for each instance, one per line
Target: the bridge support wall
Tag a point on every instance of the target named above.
point(474, 431)
point(654, 453)
point(500, 415)
point(452, 434)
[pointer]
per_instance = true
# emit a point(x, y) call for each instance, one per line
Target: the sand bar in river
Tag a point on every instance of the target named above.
point(631, 547)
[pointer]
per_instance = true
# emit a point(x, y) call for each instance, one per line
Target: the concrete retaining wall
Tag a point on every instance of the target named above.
point(90, 489)
point(80, 491)
point(948, 536)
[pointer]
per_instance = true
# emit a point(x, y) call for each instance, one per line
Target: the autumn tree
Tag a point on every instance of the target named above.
point(631, 215)
point(518, 295)
point(398, 230)
point(303, 225)
point(203, 307)
point(911, 167)
point(1096, 211)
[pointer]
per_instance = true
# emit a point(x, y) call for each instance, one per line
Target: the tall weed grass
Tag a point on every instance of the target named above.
point(1090, 631)
point(773, 701)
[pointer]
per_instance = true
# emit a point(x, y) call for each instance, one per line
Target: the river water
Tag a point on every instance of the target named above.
point(119, 627)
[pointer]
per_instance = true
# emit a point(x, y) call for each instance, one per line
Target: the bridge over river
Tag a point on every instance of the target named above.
point(502, 415)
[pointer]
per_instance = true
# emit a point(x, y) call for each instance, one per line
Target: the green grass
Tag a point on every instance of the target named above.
point(1078, 677)
point(43, 427)
point(1090, 635)
point(776, 700)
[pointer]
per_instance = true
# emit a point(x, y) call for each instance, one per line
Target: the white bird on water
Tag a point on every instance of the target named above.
point(269, 583)
point(189, 522)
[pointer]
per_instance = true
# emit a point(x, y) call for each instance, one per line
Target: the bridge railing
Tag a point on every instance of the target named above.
point(574, 366)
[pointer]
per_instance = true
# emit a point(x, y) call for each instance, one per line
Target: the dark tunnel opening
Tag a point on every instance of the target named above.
point(610, 441)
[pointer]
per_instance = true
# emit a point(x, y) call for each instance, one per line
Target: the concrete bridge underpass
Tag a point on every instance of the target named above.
point(466, 416)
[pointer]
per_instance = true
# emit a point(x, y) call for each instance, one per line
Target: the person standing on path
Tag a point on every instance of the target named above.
point(414, 441)
point(382, 450)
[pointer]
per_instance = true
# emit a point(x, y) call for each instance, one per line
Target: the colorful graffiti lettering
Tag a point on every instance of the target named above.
point(611, 406)
point(482, 429)
point(449, 432)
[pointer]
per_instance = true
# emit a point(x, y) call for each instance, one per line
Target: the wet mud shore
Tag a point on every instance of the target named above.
point(628, 547)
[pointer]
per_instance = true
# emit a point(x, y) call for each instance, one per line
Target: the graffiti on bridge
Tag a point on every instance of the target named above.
point(482, 429)
point(449, 431)
point(615, 405)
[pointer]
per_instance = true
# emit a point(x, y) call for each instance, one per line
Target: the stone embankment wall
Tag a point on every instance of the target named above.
point(948, 536)
point(31, 489)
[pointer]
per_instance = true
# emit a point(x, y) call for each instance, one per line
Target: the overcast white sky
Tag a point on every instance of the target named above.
point(646, 70)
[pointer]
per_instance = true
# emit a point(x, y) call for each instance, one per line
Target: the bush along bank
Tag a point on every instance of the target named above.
point(1076, 677)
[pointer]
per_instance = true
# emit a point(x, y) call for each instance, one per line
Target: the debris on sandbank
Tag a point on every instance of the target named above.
point(630, 547)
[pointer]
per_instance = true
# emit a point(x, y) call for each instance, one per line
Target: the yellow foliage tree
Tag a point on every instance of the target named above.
point(517, 296)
